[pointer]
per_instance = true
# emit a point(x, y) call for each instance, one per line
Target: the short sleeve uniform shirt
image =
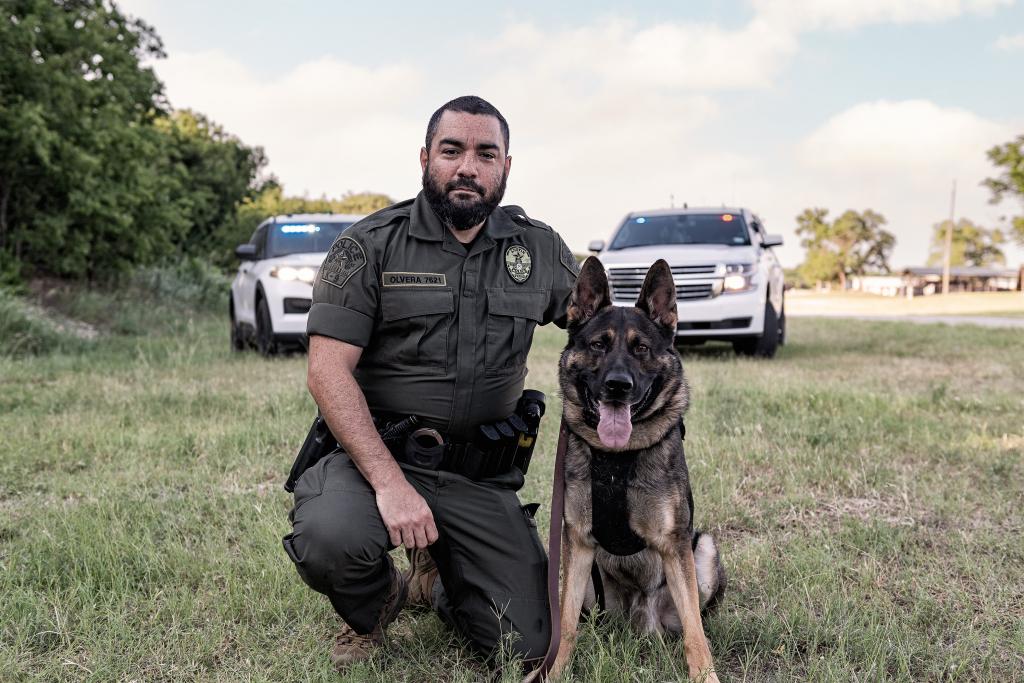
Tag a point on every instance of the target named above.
point(445, 327)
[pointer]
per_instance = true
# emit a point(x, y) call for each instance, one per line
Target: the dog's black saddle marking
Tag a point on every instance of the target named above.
point(610, 476)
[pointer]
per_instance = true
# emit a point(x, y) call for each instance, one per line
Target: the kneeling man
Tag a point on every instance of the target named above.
point(427, 308)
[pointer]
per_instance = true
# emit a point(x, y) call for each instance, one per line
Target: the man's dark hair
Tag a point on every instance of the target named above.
point(468, 104)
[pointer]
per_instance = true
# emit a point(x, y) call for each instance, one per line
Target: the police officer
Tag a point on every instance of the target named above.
point(428, 308)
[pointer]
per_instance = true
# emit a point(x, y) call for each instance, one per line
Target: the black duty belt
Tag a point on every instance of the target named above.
point(497, 448)
point(459, 456)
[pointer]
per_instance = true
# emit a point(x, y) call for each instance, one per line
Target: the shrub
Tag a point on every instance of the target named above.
point(191, 283)
point(26, 330)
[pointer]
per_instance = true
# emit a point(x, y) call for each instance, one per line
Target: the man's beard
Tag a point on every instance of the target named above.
point(461, 215)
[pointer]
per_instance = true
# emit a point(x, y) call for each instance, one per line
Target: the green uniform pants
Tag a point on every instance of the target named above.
point(491, 563)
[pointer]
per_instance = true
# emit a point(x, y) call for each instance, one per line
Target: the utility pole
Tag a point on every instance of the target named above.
point(949, 242)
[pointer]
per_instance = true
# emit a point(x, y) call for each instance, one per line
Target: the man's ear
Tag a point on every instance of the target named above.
point(590, 294)
point(658, 296)
point(423, 159)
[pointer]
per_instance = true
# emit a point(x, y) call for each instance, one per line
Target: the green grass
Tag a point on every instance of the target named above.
point(865, 488)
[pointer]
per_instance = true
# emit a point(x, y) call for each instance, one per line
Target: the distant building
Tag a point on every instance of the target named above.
point(883, 285)
point(926, 281)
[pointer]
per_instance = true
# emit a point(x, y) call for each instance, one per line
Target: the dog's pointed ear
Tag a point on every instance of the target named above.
point(590, 294)
point(658, 296)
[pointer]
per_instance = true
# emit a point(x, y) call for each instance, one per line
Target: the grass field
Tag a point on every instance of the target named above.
point(865, 488)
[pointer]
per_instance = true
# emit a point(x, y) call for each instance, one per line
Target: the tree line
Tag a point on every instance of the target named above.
point(855, 243)
point(98, 174)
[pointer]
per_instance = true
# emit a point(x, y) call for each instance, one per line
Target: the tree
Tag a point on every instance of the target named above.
point(75, 139)
point(1010, 159)
point(821, 264)
point(96, 175)
point(851, 245)
point(972, 245)
point(214, 171)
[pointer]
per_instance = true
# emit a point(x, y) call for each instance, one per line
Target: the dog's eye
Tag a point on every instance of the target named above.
point(642, 348)
point(597, 345)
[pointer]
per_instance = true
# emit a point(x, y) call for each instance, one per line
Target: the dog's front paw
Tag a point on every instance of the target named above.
point(533, 677)
point(703, 675)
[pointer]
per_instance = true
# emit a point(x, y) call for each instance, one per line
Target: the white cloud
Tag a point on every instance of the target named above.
point(665, 55)
point(322, 123)
point(849, 14)
point(900, 158)
point(1008, 43)
point(911, 135)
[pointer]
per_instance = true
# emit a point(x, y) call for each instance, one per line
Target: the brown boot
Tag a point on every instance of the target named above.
point(421, 576)
point(351, 647)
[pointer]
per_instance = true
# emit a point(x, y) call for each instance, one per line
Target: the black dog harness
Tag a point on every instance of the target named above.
point(610, 477)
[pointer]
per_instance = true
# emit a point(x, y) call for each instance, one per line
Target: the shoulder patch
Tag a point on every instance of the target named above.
point(345, 259)
point(568, 260)
point(386, 215)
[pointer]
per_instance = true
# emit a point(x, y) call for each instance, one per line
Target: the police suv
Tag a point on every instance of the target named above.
point(729, 284)
point(272, 292)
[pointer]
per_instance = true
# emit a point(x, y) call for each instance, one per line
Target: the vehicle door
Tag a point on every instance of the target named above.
point(769, 265)
point(248, 277)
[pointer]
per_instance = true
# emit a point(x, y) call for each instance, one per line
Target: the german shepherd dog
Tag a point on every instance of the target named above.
point(628, 505)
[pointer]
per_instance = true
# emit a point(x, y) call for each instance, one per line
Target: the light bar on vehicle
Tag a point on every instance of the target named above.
point(305, 228)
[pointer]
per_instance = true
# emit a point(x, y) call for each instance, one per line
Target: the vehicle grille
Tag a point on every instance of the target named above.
point(626, 283)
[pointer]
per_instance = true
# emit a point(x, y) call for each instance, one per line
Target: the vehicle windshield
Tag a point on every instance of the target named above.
point(302, 238)
point(690, 228)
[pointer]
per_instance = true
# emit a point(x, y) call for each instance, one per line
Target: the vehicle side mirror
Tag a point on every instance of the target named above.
point(595, 246)
point(246, 252)
point(771, 241)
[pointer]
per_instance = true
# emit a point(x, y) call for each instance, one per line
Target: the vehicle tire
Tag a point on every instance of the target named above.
point(764, 345)
point(782, 326)
point(237, 339)
point(265, 343)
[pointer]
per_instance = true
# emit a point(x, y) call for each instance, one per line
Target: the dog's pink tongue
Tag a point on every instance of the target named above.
point(614, 426)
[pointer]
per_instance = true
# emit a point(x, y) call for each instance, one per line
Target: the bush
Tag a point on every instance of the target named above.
point(191, 283)
point(26, 331)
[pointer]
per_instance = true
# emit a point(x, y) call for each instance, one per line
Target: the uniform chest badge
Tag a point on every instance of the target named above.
point(518, 262)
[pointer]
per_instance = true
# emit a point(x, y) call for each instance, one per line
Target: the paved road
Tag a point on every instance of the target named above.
point(981, 320)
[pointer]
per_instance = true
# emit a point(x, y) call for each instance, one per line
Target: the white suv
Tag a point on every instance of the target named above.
point(272, 292)
point(729, 284)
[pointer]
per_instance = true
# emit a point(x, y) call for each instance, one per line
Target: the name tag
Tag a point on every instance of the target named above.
point(414, 280)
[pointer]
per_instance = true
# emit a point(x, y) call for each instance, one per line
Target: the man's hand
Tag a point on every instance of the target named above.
point(408, 519)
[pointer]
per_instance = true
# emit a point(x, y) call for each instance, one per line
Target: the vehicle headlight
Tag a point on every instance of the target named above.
point(288, 273)
point(739, 277)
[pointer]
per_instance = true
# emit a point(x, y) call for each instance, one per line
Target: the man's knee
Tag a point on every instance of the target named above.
point(328, 548)
point(526, 644)
point(517, 628)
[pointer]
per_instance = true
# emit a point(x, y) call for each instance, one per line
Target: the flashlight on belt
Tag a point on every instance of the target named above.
point(530, 410)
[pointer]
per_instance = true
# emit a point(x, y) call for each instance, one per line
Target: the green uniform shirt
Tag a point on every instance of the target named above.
point(445, 327)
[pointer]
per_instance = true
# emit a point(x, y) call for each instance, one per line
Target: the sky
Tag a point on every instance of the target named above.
point(774, 105)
